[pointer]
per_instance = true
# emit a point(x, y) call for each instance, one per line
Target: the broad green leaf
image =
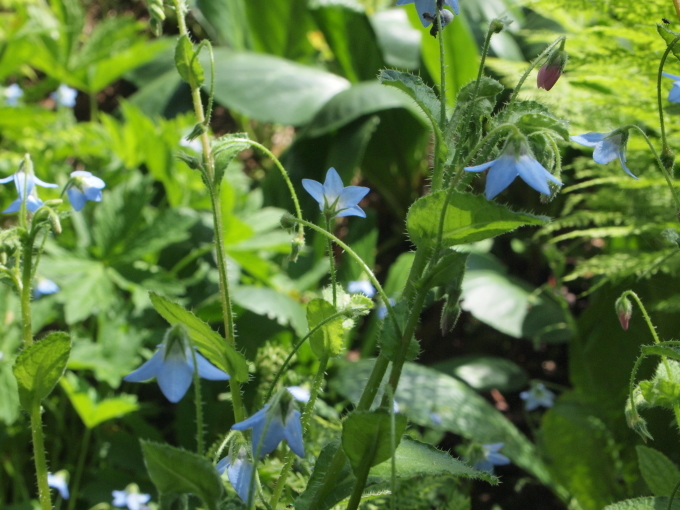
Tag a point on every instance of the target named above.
point(485, 373)
point(273, 304)
point(416, 89)
point(188, 66)
point(9, 403)
point(225, 22)
point(668, 35)
point(210, 343)
point(644, 504)
point(399, 41)
point(468, 218)
point(91, 410)
point(659, 472)
point(367, 437)
point(329, 339)
point(38, 368)
point(176, 471)
point(281, 28)
point(271, 89)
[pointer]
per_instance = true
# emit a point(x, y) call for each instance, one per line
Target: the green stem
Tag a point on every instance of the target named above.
point(438, 172)
point(306, 417)
point(75, 486)
point(198, 401)
point(664, 140)
point(331, 260)
point(25, 296)
point(361, 476)
point(39, 457)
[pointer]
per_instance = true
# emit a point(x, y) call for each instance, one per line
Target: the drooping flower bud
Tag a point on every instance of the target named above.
point(624, 310)
point(552, 70)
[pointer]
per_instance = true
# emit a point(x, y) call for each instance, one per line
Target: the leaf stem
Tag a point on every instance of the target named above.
point(198, 401)
point(39, 457)
point(438, 172)
point(331, 260)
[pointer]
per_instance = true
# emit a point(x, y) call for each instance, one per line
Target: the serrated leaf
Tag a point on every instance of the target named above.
point(367, 437)
point(670, 351)
point(644, 504)
point(469, 218)
point(188, 66)
point(414, 86)
point(664, 388)
point(209, 342)
point(328, 340)
point(659, 472)
point(39, 367)
point(668, 35)
point(176, 471)
point(224, 150)
point(390, 337)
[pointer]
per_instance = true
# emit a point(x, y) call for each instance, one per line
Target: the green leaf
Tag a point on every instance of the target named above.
point(367, 437)
point(668, 35)
point(273, 304)
point(664, 388)
point(9, 403)
point(532, 122)
point(176, 471)
point(484, 373)
point(224, 150)
point(469, 218)
point(329, 339)
point(188, 66)
point(210, 343)
point(399, 41)
point(91, 410)
point(449, 270)
point(659, 472)
point(644, 504)
point(390, 337)
point(670, 351)
point(225, 22)
point(39, 367)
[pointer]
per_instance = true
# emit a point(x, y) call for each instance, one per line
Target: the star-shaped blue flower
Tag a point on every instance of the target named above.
point(334, 198)
point(65, 96)
point(58, 481)
point(173, 366)
point(25, 183)
point(83, 187)
point(608, 147)
point(674, 95)
point(491, 457)
point(429, 7)
point(508, 166)
point(131, 499)
point(537, 396)
point(12, 94)
point(239, 472)
point(272, 424)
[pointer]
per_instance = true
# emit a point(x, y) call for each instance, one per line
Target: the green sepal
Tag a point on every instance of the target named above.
point(187, 64)
point(328, 340)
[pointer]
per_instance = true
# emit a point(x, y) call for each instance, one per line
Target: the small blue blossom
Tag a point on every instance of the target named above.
point(130, 498)
point(12, 94)
point(58, 481)
point(65, 96)
point(508, 166)
point(299, 393)
point(272, 424)
point(491, 457)
point(334, 198)
point(363, 286)
point(537, 396)
point(427, 8)
point(83, 187)
point(25, 183)
point(608, 147)
point(44, 287)
point(173, 366)
point(239, 472)
point(674, 95)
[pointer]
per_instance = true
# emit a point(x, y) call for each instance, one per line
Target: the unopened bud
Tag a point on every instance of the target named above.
point(157, 16)
point(55, 222)
point(296, 246)
point(287, 221)
point(624, 310)
point(497, 25)
point(552, 70)
point(668, 158)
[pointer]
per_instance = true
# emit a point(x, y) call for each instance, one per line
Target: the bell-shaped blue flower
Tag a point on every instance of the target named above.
point(512, 163)
point(363, 286)
point(608, 147)
point(674, 94)
point(58, 481)
point(537, 396)
point(82, 187)
point(239, 471)
point(491, 457)
point(173, 366)
point(427, 8)
point(273, 423)
point(334, 198)
point(130, 498)
point(25, 182)
point(65, 96)
point(12, 94)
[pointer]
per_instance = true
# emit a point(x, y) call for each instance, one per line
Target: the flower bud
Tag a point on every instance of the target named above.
point(668, 158)
point(296, 246)
point(157, 16)
point(552, 70)
point(624, 310)
point(497, 25)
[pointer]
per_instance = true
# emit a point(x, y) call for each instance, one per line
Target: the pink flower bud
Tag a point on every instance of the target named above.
point(548, 76)
point(624, 310)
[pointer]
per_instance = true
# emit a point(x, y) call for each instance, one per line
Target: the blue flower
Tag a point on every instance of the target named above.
point(173, 366)
point(508, 166)
point(83, 187)
point(608, 147)
point(299, 393)
point(491, 457)
point(334, 198)
point(44, 287)
point(58, 481)
point(674, 95)
point(12, 94)
point(25, 183)
point(537, 396)
point(363, 286)
point(130, 498)
point(272, 424)
point(429, 7)
point(240, 473)
point(65, 96)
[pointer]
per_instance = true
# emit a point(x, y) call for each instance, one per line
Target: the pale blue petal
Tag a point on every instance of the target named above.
point(352, 211)
point(674, 95)
point(533, 173)
point(361, 286)
point(223, 465)
point(500, 175)
point(5, 180)
point(272, 436)
point(95, 182)
point(59, 483)
point(423, 6)
point(44, 287)
point(479, 168)
point(293, 433)
point(135, 501)
point(240, 474)
point(33, 204)
point(498, 459)
point(77, 198)
point(249, 423)
point(208, 371)
point(44, 184)
point(174, 377)
point(589, 139)
point(148, 370)
point(13, 207)
point(351, 196)
point(484, 465)
point(607, 150)
point(24, 183)
point(672, 76)
point(299, 393)
point(332, 185)
point(622, 159)
point(119, 498)
point(315, 189)
point(454, 5)
point(93, 194)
